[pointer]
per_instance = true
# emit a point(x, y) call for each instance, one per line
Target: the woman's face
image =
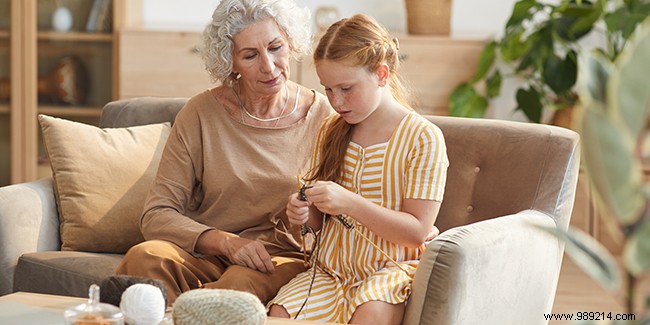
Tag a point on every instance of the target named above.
point(261, 56)
point(352, 91)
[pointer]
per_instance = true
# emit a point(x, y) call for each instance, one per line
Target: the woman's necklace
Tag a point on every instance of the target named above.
point(295, 106)
point(277, 118)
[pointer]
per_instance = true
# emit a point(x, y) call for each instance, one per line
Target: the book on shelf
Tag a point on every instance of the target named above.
point(92, 16)
point(100, 18)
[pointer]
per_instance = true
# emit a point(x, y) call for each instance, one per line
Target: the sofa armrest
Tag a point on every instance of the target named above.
point(498, 271)
point(29, 222)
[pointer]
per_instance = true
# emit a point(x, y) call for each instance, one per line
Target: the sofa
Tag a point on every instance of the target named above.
point(495, 261)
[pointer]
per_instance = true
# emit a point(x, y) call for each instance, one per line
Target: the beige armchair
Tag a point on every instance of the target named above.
point(490, 265)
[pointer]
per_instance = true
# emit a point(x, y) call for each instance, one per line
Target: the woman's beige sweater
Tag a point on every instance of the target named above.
point(217, 173)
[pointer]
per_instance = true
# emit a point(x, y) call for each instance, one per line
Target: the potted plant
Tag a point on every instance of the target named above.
point(540, 46)
point(614, 122)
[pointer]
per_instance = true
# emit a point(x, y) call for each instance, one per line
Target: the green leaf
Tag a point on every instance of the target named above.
point(485, 62)
point(617, 20)
point(608, 154)
point(595, 69)
point(589, 255)
point(560, 74)
point(520, 12)
point(576, 20)
point(629, 87)
point(493, 85)
point(636, 253)
point(464, 101)
point(626, 18)
point(513, 45)
point(585, 23)
point(541, 45)
point(608, 146)
point(529, 101)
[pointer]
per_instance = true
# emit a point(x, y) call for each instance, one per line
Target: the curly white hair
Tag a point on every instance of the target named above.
point(232, 16)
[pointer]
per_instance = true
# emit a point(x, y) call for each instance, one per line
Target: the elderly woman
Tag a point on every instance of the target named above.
point(215, 215)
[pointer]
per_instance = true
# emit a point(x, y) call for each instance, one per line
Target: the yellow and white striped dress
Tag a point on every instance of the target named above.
point(350, 271)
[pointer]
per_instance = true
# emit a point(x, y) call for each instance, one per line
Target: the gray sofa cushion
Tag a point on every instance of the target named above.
point(140, 111)
point(63, 272)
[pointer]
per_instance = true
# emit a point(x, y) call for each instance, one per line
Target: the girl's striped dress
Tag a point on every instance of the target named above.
point(350, 271)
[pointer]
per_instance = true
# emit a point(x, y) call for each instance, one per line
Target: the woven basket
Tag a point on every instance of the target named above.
point(428, 17)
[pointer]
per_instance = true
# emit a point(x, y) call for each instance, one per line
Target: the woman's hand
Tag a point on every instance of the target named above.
point(250, 253)
point(330, 198)
point(240, 251)
point(297, 210)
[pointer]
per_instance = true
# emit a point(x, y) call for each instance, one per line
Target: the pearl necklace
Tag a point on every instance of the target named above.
point(277, 118)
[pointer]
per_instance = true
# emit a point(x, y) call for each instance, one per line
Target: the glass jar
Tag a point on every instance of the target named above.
point(93, 312)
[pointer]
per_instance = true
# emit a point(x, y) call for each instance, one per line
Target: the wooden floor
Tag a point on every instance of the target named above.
point(577, 292)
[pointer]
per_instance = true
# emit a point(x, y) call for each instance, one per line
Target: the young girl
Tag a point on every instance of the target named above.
point(377, 180)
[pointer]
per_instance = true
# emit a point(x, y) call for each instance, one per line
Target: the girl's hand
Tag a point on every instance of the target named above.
point(330, 198)
point(297, 210)
point(432, 235)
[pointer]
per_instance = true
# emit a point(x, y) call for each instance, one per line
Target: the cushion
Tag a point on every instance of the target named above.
point(63, 273)
point(101, 179)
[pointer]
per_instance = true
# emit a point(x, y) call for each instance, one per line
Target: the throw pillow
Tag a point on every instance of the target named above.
point(101, 179)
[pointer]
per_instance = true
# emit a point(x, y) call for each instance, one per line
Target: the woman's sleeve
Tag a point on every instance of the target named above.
point(172, 191)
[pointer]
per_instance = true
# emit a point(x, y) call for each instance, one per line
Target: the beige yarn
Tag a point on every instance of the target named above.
point(218, 306)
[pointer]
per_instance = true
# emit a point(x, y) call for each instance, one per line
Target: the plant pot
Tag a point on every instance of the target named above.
point(564, 117)
point(428, 17)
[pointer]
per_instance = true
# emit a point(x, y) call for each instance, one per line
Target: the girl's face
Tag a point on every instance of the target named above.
point(261, 56)
point(353, 92)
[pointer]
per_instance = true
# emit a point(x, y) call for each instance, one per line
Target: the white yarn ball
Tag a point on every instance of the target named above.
point(143, 304)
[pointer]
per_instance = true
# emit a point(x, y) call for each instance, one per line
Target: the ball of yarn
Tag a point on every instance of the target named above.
point(142, 304)
point(112, 287)
point(218, 306)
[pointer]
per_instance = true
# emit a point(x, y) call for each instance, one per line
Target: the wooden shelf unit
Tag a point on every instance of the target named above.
point(432, 66)
point(30, 50)
point(79, 111)
point(75, 37)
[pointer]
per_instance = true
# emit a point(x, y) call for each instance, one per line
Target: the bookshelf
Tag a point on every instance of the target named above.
point(38, 56)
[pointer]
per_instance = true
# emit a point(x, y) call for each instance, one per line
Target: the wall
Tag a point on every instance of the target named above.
point(470, 18)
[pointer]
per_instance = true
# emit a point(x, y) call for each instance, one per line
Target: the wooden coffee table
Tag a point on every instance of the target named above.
point(27, 308)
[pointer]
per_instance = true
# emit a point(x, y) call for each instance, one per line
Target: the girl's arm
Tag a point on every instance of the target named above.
point(409, 227)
